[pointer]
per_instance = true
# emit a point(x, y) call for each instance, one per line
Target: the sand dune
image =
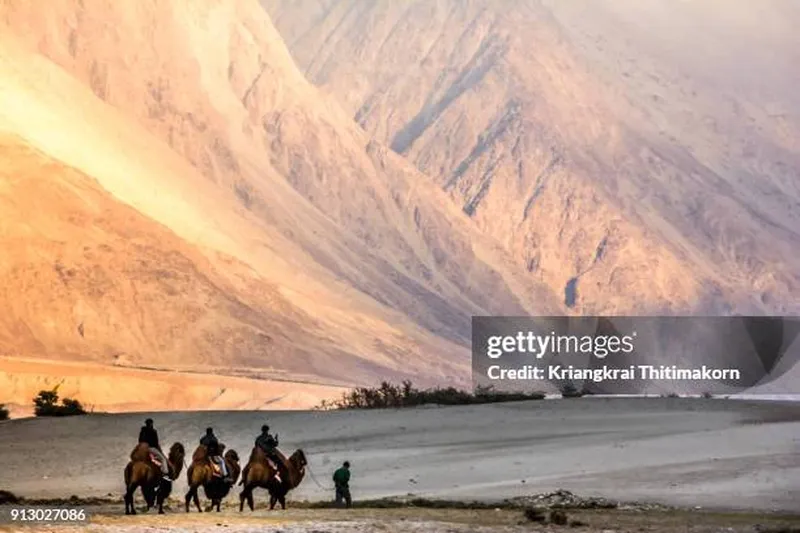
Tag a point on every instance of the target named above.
point(113, 389)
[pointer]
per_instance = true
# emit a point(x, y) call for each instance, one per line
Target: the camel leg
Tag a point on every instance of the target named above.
point(130, 496)
point(250, 502)
point(272, 500)
point(247, 495)
point(149, 495)
point(196, 500)
point(161, 495)
point(188, 499)
point(282, 500)
point(129, 508)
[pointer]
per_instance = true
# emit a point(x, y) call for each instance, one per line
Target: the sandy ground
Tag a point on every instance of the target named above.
point(687, 452)
point(436, 521)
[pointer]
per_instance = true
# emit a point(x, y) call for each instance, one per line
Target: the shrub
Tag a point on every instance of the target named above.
point(7, 497)
point(534, 514)
point(3, 412)
point(569, 390)
point(388, 395)
point(46, 404)
point(559, 517)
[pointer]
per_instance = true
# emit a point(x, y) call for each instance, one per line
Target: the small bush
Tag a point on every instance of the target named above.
point(46, 404)
point(559, 517)
point(7, 497)
point(569, 390)
point(3, 412)
point(707, 395)
point(534, 514)
point(388, 395)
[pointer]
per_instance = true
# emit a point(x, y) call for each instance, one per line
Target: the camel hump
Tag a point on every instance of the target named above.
point(283, 458)
point(281, 455)
point(258, 455)
point(141, 452)
point(200, 454)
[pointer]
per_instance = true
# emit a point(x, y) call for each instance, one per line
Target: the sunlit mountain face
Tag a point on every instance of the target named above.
point(325, 192)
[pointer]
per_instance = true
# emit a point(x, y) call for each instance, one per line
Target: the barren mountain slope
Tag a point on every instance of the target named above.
point(178, 195)
point(88, 278)
point(214, 80)
point(638, 156)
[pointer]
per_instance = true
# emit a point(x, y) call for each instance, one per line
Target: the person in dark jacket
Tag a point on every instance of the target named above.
point(149, 436)
point(210, 441)
point(269, 444)
point(266, 441)
point(341, 480)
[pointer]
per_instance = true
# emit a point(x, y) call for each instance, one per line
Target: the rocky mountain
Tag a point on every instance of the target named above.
point(174, 194)
point(179, 200)
point(636, 156)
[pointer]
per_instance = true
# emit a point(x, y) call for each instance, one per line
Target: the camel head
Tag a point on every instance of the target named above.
point(298, 458)
point(232, 456)
point(176, 455)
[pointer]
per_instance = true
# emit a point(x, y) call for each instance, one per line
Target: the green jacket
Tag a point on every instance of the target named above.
point(341, 477)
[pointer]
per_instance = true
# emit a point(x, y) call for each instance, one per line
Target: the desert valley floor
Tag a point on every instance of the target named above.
point(708, 457)
point(727, 454)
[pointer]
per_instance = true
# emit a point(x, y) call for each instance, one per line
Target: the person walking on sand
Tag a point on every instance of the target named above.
point(149, 435)
point(341, 479)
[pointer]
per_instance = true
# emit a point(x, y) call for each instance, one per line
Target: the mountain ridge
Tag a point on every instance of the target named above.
point(308, 248)
point(528, 111)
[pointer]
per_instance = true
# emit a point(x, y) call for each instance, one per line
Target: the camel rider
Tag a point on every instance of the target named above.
point(210, 441)
point(149, 436)
point(269, 444)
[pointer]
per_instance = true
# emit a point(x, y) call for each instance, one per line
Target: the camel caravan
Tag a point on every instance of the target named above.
point(212, 468)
